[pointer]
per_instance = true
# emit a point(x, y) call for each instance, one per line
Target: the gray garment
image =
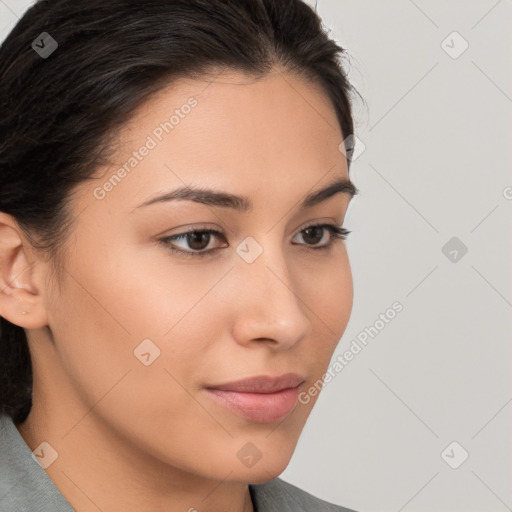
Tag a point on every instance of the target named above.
point(26, 487)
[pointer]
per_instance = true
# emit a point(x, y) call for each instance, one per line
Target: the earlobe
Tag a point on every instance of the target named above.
point(21, 301)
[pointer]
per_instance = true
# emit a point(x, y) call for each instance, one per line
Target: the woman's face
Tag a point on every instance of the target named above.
point(140, 332)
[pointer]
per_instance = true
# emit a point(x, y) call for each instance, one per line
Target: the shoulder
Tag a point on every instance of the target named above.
point(279, 496)
point(24, 484)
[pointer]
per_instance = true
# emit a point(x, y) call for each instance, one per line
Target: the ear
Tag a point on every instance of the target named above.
point(21, 300)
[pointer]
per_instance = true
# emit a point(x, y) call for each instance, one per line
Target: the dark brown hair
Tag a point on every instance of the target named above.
point(59, 113)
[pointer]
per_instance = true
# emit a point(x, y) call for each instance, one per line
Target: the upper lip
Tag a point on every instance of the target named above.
point(262, 384)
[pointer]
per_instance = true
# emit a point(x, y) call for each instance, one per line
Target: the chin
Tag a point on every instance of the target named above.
point(271, 464)
point(259, 474)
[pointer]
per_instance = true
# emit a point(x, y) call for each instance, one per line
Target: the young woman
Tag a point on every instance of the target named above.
point(173, 276)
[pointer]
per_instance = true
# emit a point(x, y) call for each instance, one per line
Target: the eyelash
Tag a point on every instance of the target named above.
point(335, 231)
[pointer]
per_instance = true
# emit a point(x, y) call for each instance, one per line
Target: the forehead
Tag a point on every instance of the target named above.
point(235, 109)
point(233, 131)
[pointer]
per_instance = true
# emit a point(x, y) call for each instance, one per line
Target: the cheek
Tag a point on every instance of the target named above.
point(103, 316)
point(118, 312)
point(327, 292)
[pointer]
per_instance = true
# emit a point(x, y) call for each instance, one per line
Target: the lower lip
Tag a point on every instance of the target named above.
point(258, 407)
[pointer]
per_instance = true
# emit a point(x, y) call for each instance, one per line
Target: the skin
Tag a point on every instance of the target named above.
point(134, 437)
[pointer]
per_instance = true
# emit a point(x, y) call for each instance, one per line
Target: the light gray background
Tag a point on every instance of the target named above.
point(437, 133)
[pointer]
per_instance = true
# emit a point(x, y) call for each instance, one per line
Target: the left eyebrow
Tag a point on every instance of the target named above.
point(242, 203)
point(341, 185)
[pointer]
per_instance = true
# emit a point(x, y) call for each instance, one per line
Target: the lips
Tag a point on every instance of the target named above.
point(262, 384)
point(260, 399)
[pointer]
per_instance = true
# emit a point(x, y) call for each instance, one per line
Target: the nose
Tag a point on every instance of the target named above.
point(269, 306)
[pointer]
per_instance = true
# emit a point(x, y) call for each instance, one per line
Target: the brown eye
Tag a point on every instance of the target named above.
point(198, 240)
point(193, 243)
point(313, 235)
